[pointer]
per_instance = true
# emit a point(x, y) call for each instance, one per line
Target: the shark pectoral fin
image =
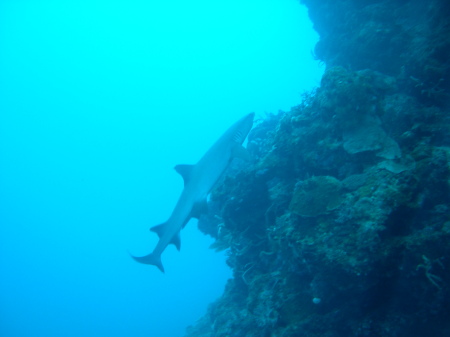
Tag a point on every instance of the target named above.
point(159, 229)
point(152, 259)
point(241, 152)
point(176, 241)
point(199, 208)
point(184, 171)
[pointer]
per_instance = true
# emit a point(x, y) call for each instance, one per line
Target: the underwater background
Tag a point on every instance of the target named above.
point(339, 226)
point(99, 100)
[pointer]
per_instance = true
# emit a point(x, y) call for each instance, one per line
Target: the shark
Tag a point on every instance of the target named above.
point(199, 179)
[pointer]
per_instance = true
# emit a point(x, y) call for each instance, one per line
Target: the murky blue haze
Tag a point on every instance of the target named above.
point(98, 101)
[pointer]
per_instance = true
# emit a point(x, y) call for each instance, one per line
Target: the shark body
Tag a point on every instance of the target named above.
point(199, 179)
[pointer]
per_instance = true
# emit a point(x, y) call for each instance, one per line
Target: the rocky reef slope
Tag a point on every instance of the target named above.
point(341, 227)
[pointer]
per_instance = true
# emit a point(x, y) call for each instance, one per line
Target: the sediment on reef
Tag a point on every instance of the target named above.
point(341, 226)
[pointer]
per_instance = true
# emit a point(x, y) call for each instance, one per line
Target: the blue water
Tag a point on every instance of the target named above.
point(98, 101)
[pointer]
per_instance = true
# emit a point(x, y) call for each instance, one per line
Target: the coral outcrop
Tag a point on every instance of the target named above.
point(341, 226)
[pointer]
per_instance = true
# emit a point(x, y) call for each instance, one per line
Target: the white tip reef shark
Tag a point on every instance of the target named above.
point(199, 179)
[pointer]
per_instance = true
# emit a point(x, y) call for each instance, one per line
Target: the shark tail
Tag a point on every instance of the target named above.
point(151, 258)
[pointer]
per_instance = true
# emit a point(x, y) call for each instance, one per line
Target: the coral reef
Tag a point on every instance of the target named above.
point(315, 196)
point(341, 226)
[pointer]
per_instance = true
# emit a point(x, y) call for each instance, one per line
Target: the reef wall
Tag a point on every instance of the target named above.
point(341, 226)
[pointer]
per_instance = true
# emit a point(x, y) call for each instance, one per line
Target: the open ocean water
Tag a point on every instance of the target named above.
point(99, 100)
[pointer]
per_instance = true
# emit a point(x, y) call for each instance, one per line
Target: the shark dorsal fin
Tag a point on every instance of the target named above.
point(185, 172)
point(160, 229)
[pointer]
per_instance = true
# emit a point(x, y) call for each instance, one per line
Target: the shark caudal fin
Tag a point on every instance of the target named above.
point(150, 259)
